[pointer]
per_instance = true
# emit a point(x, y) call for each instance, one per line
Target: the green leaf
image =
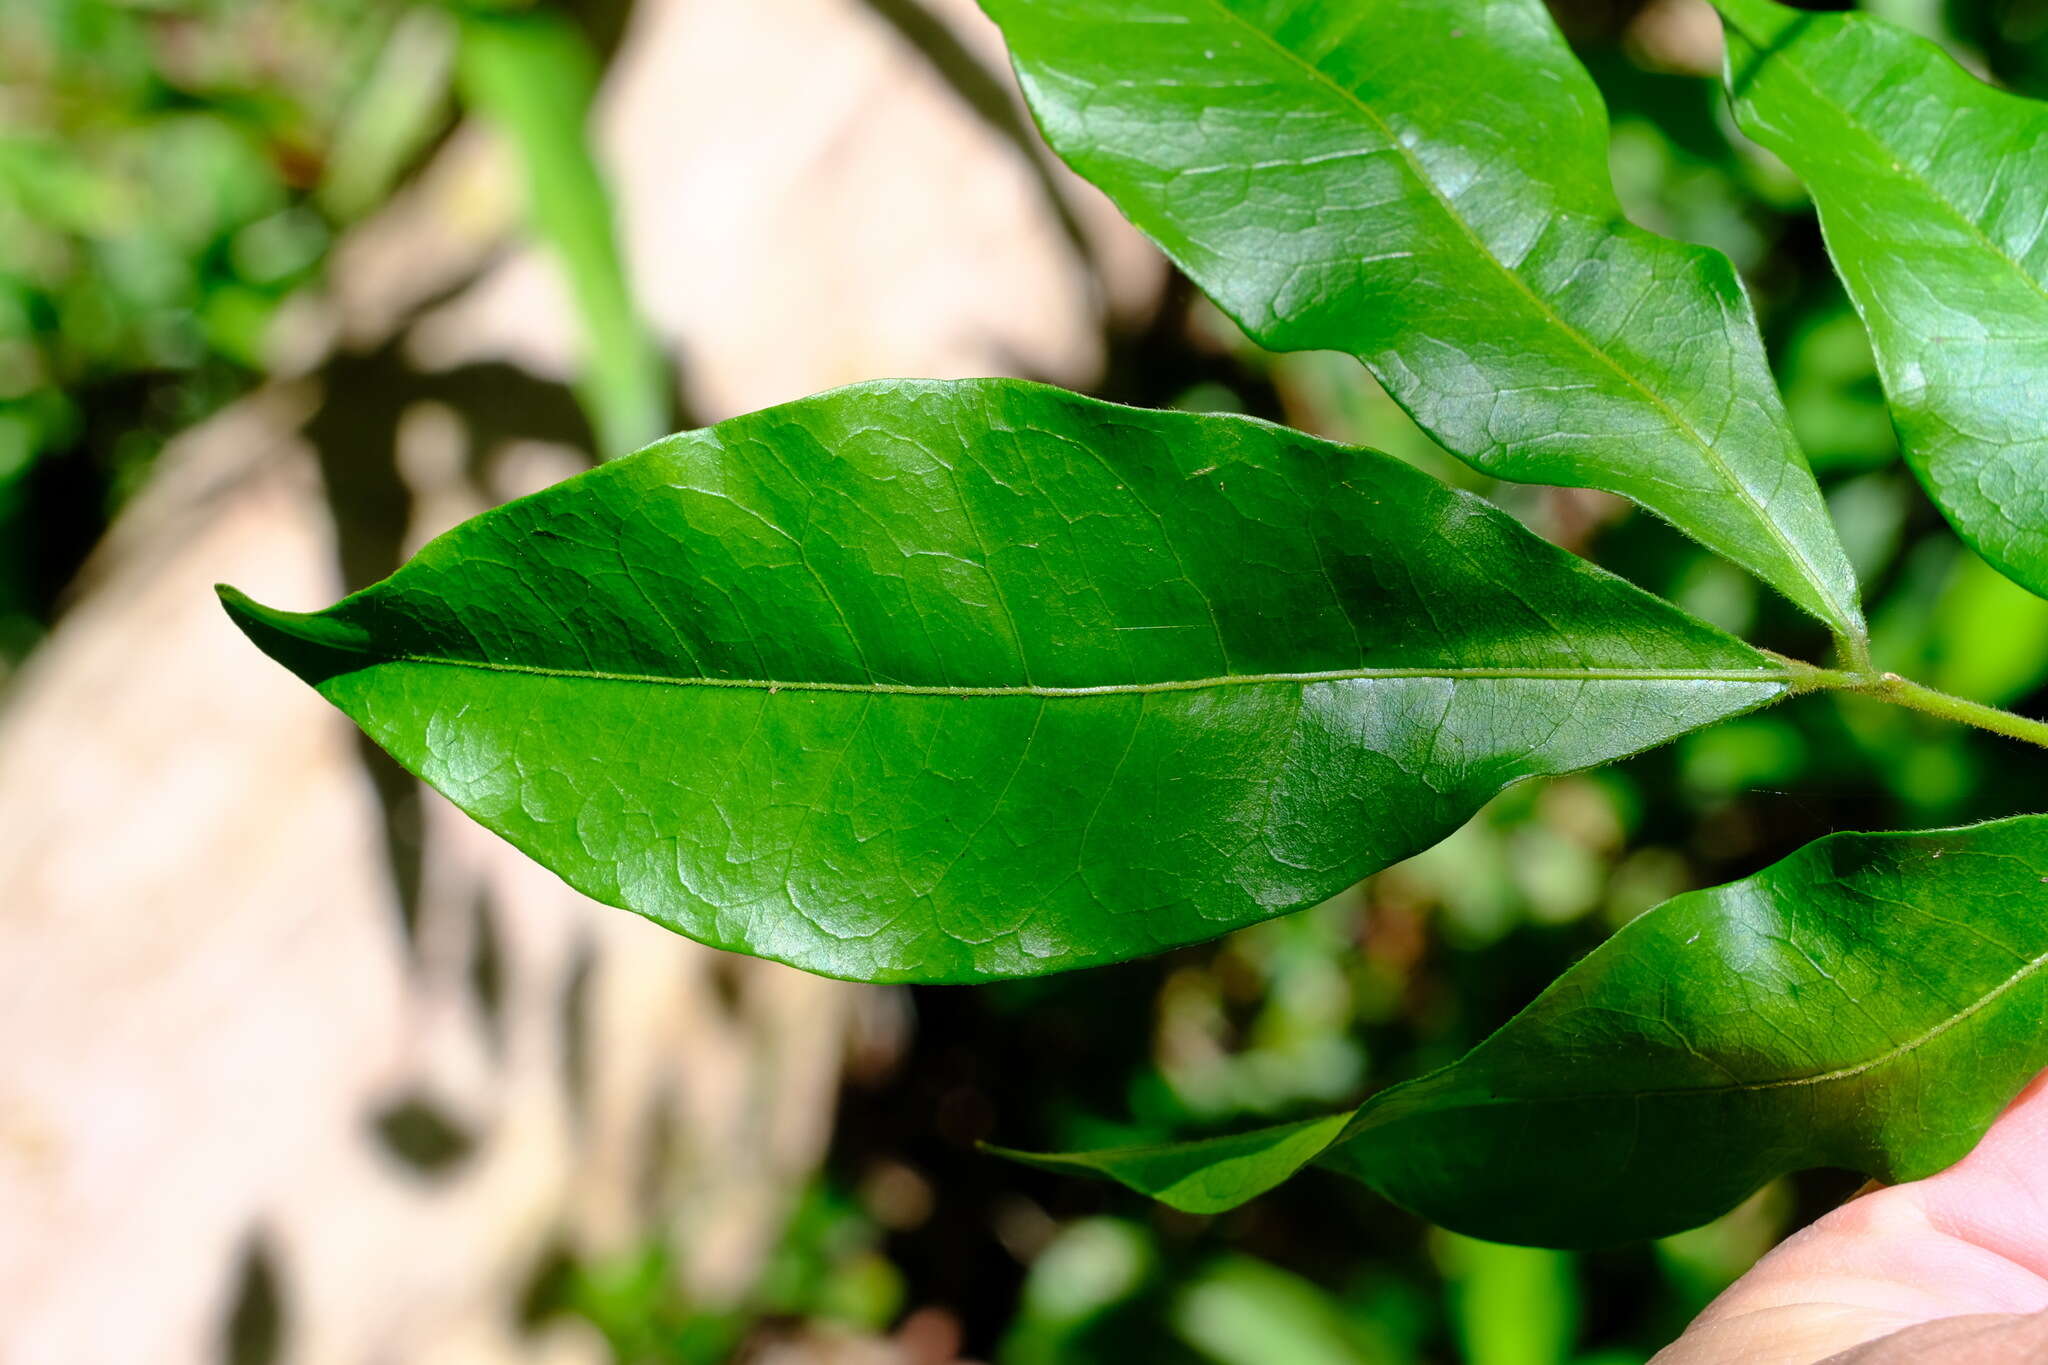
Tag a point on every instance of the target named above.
point(954, 681)
point(1932, 188)
point(1423, 184)
point(1870, 1002)
point(1208, 1176)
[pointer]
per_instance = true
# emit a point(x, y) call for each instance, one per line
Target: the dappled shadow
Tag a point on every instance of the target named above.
point(355, 435)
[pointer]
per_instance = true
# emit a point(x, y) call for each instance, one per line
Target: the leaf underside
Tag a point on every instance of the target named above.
point(1423, 184)
point(924, 681)
point(1871, 1002)
point(1932, 189)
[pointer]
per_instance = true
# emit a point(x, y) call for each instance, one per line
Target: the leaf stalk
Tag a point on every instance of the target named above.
point(1890, 687)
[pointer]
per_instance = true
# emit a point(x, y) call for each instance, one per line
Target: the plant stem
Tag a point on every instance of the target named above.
point(1890, 687)
point(1856, 650)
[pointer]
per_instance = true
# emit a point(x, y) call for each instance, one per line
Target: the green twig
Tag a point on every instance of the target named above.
point(1890, 687)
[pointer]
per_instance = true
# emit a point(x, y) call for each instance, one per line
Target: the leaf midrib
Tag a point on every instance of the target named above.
point(1783, 677)
point(1808, 570)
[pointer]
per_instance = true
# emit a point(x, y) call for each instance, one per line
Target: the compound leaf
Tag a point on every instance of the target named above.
point(1423, 184)
point(954, 681)
point(1932, 188)
point(1870, 1002)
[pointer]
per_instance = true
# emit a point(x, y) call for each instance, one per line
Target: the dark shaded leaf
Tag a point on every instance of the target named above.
point(1870, 1002)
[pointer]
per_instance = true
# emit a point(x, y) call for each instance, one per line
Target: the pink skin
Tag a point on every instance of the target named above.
point(1951, 1270)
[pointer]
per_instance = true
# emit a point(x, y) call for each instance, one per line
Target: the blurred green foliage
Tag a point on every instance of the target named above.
point(173, 172)
point(827, 1276)
point(161, 175)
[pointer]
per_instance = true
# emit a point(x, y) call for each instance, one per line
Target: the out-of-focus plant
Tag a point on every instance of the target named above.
point(531, 73)
point(826, 1274)
point(172, 173)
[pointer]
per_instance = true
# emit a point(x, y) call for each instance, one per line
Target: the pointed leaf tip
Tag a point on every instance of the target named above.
point(315, 646)
point(1211, 1175)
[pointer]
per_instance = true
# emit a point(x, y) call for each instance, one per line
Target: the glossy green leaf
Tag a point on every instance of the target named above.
point(952, 681)
point(1932, 189)
point(1423, 184)
point(1870, 1002)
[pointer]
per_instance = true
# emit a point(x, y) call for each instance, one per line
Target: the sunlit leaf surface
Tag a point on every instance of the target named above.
point(955, 681)
point(1423, 184)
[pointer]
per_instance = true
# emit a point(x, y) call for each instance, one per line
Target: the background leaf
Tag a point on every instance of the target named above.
point(1206, 1176)
point(1870, 1002)
point(532, 74)
point(1932, 188)
point(1424, 184)
point(953, 681)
